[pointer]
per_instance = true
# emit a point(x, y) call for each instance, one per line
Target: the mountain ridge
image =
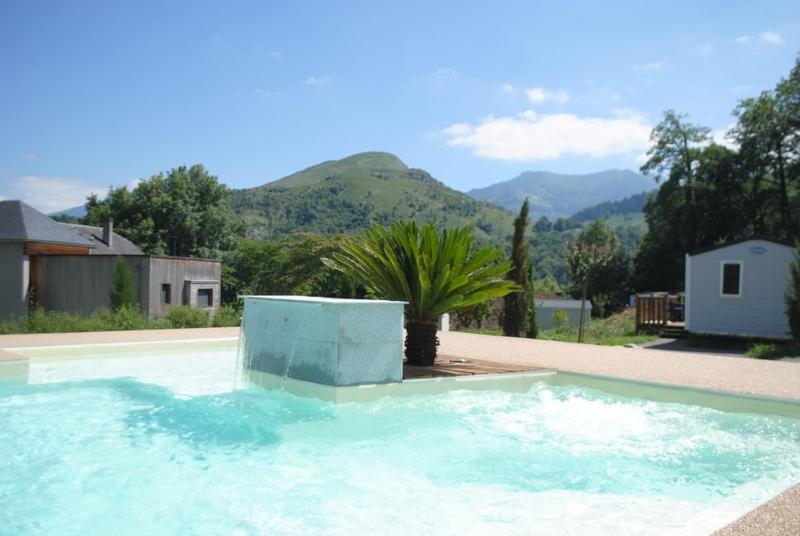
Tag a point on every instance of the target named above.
point(561, 195)
point(349, 194)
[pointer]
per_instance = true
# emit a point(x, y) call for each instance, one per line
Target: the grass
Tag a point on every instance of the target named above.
point(616, 330)
point(125, 318)
point(772, 350)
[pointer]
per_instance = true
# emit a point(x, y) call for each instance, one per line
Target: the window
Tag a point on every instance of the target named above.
point(731, 278)
point(166, 293)
point(205, 297)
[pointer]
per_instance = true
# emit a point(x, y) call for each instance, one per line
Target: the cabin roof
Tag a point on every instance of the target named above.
point(739, 241)
point(120, 244)
point(20, 222)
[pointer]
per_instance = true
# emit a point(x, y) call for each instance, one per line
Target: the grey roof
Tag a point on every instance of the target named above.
point(739, 241)
point(20, 222)
point(120, 244)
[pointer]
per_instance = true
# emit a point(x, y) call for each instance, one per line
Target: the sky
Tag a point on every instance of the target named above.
point(94, 94)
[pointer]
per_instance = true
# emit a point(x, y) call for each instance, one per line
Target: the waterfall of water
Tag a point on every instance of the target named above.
point(243, 356)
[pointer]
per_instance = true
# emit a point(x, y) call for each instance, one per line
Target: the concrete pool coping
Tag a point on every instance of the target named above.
point(779, 379)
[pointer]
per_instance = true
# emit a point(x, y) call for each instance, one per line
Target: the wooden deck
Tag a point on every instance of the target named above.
point(448, 365)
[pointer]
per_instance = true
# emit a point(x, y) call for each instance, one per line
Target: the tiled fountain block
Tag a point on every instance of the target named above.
point(325, 340)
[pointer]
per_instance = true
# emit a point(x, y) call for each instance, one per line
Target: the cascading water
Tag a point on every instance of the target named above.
point(243, 355)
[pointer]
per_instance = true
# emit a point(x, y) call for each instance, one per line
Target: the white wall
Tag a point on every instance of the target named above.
point(759, 311)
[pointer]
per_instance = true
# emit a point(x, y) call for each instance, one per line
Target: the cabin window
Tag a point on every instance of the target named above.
point(205, 297)
point(166, 293)
point(731, 279)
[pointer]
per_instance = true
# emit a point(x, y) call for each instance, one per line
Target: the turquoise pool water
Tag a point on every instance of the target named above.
point(158, 442)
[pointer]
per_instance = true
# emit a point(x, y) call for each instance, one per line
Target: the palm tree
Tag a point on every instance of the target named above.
point(434, 272)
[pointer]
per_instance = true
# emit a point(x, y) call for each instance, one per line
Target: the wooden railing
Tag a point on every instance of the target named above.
point(652, 311)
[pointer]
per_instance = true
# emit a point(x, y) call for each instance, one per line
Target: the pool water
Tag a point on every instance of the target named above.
point(159, 442)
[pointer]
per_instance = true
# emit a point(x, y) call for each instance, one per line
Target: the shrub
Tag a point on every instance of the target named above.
point(185, 316)
point(226, 316)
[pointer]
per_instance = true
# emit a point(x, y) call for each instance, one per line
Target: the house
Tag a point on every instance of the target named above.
point(546, 312)
point(738, 289)
point(69, 267)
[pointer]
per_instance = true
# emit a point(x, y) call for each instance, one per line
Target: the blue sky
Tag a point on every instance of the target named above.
point(102, 93)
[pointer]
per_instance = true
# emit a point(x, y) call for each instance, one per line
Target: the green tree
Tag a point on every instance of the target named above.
point(792, 296)
point(123, 291)
point(674, 147)
point(515, 304)
point(769, 138)
point(588, 262)
point(435, 272)
point(289, 265)
point(185, 212)
point(609, 285)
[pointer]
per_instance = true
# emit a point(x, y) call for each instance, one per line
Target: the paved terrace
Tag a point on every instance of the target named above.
point(486, 353)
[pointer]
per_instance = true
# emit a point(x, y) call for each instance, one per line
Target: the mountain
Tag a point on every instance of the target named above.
point(74, 212)
point(633, 204)
point(347, 195)
point(558, 196)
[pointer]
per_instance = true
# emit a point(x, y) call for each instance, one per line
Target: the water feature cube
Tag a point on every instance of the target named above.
point(328, 341)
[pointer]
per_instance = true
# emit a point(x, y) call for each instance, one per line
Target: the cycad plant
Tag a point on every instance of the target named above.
point(435, 272)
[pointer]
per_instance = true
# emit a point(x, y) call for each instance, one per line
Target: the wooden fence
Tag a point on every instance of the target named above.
point(652, 311)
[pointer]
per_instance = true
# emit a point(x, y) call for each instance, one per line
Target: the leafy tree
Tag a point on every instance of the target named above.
point(587, 262)
point(672, 156)
point(792, 296)
point(711, 194)
point(515, 304)
point(289, 265)
point(185, 212)
point(123, 291)
point(768, 138)
point(475, 314)
point(435, 272)
point(608, 284)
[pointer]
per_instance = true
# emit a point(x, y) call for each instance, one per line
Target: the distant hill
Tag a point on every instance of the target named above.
point(347, 195)
point(633, 204)
point(74, 212)
point(558, 196)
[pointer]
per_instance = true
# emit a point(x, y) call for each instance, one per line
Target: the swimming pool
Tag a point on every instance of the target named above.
point(154, 439)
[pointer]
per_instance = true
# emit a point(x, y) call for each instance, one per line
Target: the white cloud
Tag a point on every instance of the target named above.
point(276, 54)
point(317, 81)
point(508, 88)
point(652, 67)
point(706, 49)
point(773, 38)
point(539, 95)
point(530, 136)
point(769, 37)
point(720, 137)
point(50, 194)
point(30, 156)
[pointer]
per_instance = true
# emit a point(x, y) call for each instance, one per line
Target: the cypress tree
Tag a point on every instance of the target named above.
point(123, 292)
point(515, 305)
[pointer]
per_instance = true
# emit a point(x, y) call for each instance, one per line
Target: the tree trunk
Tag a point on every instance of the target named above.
point(583, 309)
point(421, 342)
